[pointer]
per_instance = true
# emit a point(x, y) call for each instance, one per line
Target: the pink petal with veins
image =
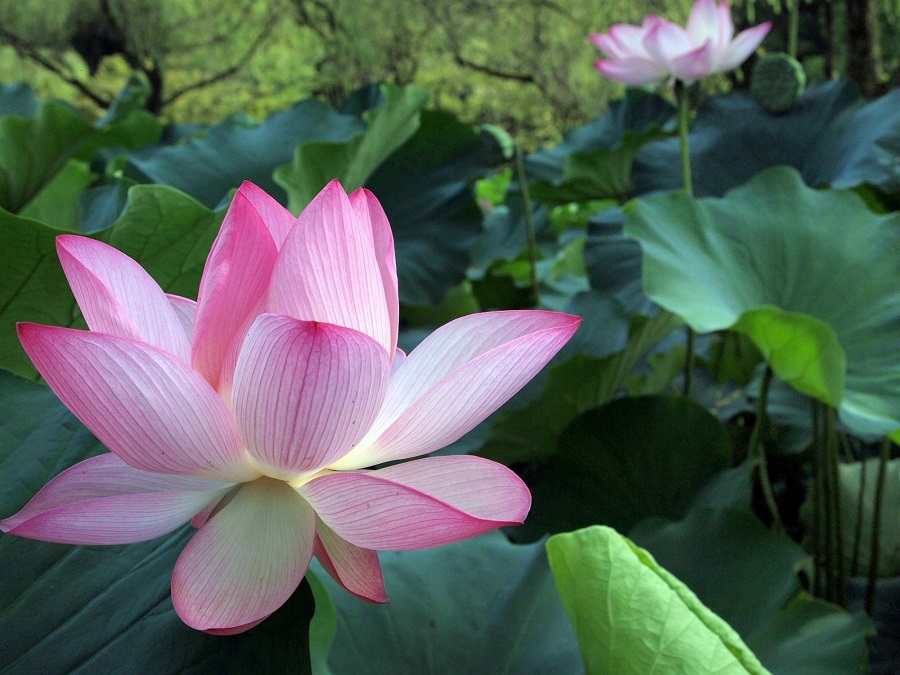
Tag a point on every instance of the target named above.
point(419, 504)
point(368, 209)
point(141, 402)
point(186, 311)
point(330, 269)
point(306, 392)
point(277, 219)
point(232, 291)
point(102, 500)
point(247, 560)
point(458, 376)
point(356, 569)
point(117, 296)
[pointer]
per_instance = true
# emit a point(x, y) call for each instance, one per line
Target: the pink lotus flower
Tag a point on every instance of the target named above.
point(253, 411)
point(658, 49)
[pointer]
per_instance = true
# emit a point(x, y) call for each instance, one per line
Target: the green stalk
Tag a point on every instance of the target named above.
point(793, 27)
point(827, 510)
point(876, 525)
point(836, 521)
point(858, 526)
point(684, 119)
point(818, 505)
point(529, 227)
point(757, 450)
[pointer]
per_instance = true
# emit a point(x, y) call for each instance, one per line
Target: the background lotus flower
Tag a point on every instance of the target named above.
point(659, 49)
point(253, 411)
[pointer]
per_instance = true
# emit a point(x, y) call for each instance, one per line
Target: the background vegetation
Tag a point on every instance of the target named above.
point(523, 64)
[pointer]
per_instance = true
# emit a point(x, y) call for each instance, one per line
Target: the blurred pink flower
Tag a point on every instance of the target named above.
point(254, 411)
point(658, 49)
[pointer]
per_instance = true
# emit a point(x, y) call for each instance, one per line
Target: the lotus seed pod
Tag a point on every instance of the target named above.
point(778, 81)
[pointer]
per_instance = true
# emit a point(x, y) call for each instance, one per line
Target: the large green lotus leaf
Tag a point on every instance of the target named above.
point(208, 166)
point(32, 286)
point(426, 190)
point(747, 574)
point(166, 231)
point(627, 460)
point(594, 161)
point(582, 382)
point(95, 609)
point(828, 136)
point(479, 606)
point(807, 274)
point(388, 126)
point(33, 150)
point(634, 617)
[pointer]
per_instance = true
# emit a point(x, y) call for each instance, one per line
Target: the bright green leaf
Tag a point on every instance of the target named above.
point(803, 350)
point(633, 617)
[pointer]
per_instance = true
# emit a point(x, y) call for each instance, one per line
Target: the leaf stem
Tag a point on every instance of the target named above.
point(529, 226)
point(684, 119)
point(876, 525)
point(757, 450)
point(819, 520)
point(833, 462)
point(793, 28)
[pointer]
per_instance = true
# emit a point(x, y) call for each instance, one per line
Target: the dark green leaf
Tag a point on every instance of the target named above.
point(482, 605)
point(625, 461)
point(89, 609)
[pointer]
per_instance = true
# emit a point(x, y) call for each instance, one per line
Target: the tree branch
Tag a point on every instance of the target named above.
point(27, 52)
point(227, 72)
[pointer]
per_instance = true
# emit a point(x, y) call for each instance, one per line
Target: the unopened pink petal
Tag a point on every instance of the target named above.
point(102, 500)
point(694, 65)
point(277, 218)
point(458, 376)
point(743, 46)
point(368, 209)
point(186, 311)
point(356, 569)
point(428, 502)
point(635, 72)
point(305, 392)
point(117, 296)
point(144, 404)
point(232, 291)
point(245, 562)
point(328, 269)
